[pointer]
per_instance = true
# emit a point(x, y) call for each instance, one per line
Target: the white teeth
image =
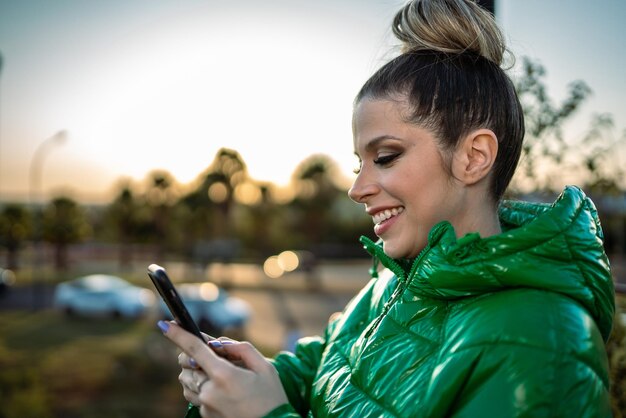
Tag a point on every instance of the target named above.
point(386, 214)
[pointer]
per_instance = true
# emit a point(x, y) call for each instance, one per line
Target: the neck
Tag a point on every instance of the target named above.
point(478, 215)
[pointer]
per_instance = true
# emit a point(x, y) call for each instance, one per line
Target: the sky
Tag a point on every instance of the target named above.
point(138, 85)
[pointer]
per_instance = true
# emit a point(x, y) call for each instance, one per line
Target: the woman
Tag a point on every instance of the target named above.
point(486, 308)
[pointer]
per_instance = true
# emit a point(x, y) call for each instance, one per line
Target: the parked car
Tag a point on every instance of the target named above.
point(213, 309)
point(7, 279)
point(103, 295)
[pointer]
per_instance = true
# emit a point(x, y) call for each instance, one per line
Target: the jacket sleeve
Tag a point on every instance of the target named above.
point(297, 371)
point(520, 353)
point(192, 411)
point(517, 381)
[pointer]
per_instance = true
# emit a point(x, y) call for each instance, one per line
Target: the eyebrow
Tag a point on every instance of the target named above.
point(373, 143)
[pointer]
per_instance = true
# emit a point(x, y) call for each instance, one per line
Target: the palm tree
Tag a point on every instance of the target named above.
point(64, 223)
point(160, 197)
point(15, 226)
point(316, 192)
point(123, 214)
point(223, 175)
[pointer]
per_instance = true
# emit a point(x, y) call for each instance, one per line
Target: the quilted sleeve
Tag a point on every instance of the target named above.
point(297, 371)
point(523, 353)
point(507, 382)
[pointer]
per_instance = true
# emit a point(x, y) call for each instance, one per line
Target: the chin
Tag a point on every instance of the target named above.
point(396, 250)
point(393, 251)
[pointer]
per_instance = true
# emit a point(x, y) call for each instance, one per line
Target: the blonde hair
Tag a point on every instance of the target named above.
point(450, 26)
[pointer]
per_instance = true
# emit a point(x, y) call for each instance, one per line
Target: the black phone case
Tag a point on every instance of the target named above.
point(172, 299)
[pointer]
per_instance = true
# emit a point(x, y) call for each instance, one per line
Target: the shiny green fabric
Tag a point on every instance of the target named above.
point(512, 325)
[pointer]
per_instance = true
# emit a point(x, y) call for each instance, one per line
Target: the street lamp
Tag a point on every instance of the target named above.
point(36, 164)
point(1, 62)
point(35, 180)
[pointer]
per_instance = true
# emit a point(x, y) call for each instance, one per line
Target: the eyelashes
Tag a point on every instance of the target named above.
point(380, 161)
point(386, 159)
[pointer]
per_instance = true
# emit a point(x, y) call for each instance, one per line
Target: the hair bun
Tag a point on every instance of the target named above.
point(450, 26)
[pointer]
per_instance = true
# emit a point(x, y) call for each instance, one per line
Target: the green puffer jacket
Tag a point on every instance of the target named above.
point(512, 325)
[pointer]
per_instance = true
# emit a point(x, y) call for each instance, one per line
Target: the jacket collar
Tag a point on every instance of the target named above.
point(556, 248)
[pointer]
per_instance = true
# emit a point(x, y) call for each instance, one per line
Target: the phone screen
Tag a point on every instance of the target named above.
point(172, 299)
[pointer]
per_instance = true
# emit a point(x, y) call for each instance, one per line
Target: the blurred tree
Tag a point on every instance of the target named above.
point(547, 155)
point(224, 174)
point(196, 214)
point(15, 227)
point(257, 218)
point(124, 215)
point(206, 211)
point(605, 175)
point(316, 192)
point(64, 223)
point(544, 146)
point(591, 159)
point(261, 215)
point(160, 196)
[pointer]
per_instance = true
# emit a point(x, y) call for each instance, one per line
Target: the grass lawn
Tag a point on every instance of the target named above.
point(52, 366)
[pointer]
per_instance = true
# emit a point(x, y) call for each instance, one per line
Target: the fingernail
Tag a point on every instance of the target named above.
point(164, 326)
point(215, 344)
point(226, 342)
point(193, 363)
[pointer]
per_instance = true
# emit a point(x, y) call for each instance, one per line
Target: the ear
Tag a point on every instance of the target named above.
point(474, 156)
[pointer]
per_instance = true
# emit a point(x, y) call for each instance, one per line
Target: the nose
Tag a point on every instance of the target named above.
point(362, 188)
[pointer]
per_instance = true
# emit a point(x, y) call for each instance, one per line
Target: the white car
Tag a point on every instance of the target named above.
point(103, 295)
point(213, 309)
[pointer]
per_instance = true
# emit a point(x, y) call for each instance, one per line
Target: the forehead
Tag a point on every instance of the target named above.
point(379, 118)
point(370, 112)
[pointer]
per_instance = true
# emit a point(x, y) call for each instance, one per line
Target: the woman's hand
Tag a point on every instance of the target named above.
point(227, 389)
point(191, 378)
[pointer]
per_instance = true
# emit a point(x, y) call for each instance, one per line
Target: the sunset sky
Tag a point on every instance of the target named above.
point(146, 84)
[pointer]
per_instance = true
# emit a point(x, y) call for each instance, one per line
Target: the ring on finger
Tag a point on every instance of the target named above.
point(199, 385)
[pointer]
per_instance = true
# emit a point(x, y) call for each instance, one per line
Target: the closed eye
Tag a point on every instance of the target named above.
point(386, 159)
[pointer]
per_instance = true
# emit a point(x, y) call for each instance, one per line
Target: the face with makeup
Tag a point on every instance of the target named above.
point(402, 179)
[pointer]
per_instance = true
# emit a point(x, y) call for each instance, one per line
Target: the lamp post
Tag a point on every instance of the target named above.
point(1, 62)
point(35, 180)
point(489, 5)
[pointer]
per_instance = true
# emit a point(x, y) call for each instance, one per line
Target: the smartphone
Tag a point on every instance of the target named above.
point(173, 300)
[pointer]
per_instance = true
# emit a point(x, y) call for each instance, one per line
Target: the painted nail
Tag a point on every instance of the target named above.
point(163, 326)
point(215, 343)
point(193, 363)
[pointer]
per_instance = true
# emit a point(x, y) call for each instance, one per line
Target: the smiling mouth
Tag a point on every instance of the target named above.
point(382, 216)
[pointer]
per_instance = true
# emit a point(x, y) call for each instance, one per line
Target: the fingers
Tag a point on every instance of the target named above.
point(207, 337)
point(193, 347)
point(217, 386)
point(246, 354)
point(192, 382)
point(186, 362)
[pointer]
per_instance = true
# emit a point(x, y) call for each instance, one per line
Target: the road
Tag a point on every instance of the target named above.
point(27, 297)
point(297, 304)
point(294, 305)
